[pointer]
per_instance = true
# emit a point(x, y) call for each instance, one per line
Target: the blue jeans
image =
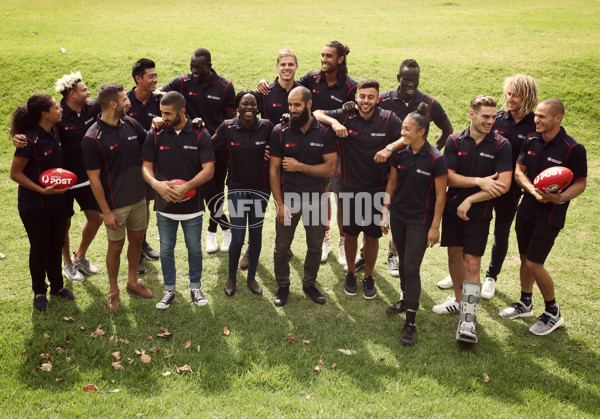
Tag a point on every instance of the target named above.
point(192, 231)
point(246, 208)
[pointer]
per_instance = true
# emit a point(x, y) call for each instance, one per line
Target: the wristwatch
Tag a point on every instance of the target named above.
point(390, 147)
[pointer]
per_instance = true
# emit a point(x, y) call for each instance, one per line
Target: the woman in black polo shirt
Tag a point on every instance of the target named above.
point(42, 209)
point(246, 138)
point(417, 189)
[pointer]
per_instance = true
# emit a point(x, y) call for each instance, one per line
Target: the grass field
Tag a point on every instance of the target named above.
point(464, 48)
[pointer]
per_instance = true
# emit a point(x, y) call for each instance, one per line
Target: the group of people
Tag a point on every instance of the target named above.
point(324, 134)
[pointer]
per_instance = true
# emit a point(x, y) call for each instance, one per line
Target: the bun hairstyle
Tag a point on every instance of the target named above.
point(342, 51)
point(28, 116)
point(421, 117)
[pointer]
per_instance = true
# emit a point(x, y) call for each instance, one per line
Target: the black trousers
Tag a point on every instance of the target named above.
point(212, 192)
point(46, 232)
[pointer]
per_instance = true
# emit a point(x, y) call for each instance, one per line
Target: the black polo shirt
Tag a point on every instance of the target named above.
point(391, 100)
point(307, 148)
point(43, 151)
point(72, 129)
point(365, 138)
point(143, 113)
point(247, 166)
point(491, 155)
point(178, 156)
point(116, 152)
point(275, 104)
point(327, 97)
point(414, 198)
point(537, 156)
point(205, 100)
point(516, 135)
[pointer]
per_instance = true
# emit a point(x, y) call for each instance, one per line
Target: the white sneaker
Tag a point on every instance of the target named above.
point(326, 249)
point(342, 252)
point(392, 262)
point(489, 288)
point(445, 283)
point(211, 242)
point(72, 273)
point(450, 306)
point(84, 265)
point(226, 241)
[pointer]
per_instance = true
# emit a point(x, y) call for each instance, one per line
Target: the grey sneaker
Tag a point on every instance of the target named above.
point(72, 273)
point(392, 262)
point(198, 298)
point(84, 265)
point(517, 309)
point(166, 300)
point(369, 290)
point(546, 324)
point(359, 263)
point(149, 252)
point(141, 269)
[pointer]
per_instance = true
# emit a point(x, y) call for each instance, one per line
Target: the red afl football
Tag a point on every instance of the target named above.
point(62, 178)
point(189, 194)
point(553, 179)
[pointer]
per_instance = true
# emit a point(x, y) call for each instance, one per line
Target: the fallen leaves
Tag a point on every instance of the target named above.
point(306, 341)
point(46, 336)
point(146, 358)
point(118, 365)
point(166, 358)
point(45, 356)
point(90, 387)
point(46, 367)
point(154, 350)
point(334, 365)
point(226, 331)
point(98, 333)
point(166, 373)
point(319, 366)
point(291, 338)
point(68, 319)
point(149, 336)
point(184, 368)
point(60, 350)
point(347, 351)
point(486, 378)
point(187, 344)
point(116, 355)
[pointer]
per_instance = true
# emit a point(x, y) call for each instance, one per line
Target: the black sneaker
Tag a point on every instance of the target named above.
point(141, 269)
point(369, 291)
point(198, 298)
point(359, 263)
point(166, 300)
point(350, 286)
point(399, 307)
point(149, 252)
point(40, 302)
point(409, 334)
point(64, 293)
point(281, 296)
point(314, 294)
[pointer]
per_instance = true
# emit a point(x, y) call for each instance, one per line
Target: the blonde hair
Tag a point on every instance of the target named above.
point(67, 82)
point(287, 52)
point(525, 87)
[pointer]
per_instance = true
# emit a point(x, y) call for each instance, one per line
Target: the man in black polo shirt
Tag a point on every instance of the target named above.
point(479, 169)
point(212, 98)
point(145, 107)
point(178, 152)
point(303, 155)
point(361, 137)
point(542, 214)
point(111, 154)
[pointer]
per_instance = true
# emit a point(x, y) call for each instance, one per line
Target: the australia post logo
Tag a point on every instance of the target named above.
point(57, 179)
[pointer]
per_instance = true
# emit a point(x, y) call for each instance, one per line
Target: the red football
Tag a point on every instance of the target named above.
point(189, 194)
point(62, 178)
point(553, 179)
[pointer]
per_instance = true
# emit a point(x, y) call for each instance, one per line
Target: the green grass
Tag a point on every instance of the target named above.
point(464, 48)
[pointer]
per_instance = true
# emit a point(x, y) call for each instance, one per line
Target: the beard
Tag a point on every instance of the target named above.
point(176, 121)
point(299, 121)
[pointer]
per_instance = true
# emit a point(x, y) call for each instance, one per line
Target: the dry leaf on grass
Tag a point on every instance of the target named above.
point(116, 355)
point(68, 319)
point(187, 344)
point(186, 367)
point(334, 365)
point(60, 350)
point(154, 350)
point(58, 379)
point(149, 336)
point(81, 328)
point(90, 387)
point(146, 358)
point(68, 359)
point(166, 373)
point(166, 358)
point(46, 336)
point(347, 351)
point(118, 365)
point(98, 333)
point(45, 356)
point(198, 347)
point(2, 256)
point(130, 360)
point(46, 367)
point(306, 341)
point(486, 378)
point(411, 356)
point(111, 339)
point(114, 390)
point(125, 341)
point(226, 331)
point(291, 337)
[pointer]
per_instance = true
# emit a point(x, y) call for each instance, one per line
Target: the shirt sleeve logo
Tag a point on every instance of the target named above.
point(192, 93)
point(164, 147)
point(277, 105)
point(112, 147)
point(288, 145)
point(462, 153)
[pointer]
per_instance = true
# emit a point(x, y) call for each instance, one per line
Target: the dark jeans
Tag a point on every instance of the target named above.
point(284, 235)
point(210, 193)
point(411, 242)
point(46, 232)
point(246, 209)
point(505, 210)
